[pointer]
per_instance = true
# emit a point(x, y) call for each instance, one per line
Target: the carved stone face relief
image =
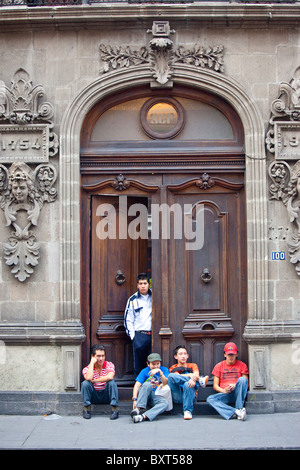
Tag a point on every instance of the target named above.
point(283, 140)
point(25, 189)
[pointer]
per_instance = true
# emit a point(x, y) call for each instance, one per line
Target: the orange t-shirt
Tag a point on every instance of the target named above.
point(188, 369)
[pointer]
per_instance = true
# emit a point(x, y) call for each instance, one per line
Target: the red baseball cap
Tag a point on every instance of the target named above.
point(230, 348)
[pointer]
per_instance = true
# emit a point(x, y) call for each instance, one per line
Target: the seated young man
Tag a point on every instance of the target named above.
point(144, 390)
point(184, 380)
point(99, 385)
point(231, 383)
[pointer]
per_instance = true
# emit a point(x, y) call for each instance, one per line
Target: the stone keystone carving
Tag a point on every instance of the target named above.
point(161, 55)
point(283, 139)
point(24, 190)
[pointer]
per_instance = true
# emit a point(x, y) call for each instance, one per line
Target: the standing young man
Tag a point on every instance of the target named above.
point(184, 380)
point(99, 386)
point(231, 383)
point(138, 322)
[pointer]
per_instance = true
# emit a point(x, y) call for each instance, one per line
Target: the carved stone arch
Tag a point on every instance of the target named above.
point(249, 114)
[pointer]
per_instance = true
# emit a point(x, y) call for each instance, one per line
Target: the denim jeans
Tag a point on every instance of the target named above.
point(220, 401)
point(147, 396)
point(181, 392)
point(92, 396)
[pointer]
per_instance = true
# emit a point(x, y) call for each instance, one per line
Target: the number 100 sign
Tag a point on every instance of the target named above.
point(278, 255)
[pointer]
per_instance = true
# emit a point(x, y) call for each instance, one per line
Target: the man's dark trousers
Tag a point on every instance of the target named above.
point(141, 349)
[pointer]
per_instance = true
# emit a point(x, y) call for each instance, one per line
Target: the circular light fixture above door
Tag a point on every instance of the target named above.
point(162, 118)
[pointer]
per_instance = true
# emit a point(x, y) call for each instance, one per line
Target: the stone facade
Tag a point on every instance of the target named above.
point(60, 50)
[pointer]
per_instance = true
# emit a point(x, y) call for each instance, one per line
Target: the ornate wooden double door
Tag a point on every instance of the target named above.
point(163, 193)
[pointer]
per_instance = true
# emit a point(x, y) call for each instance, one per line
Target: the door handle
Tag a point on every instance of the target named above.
point(120, 277)
point(206, 276)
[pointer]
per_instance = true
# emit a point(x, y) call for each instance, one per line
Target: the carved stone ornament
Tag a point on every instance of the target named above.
point(283, 139)
point(23, 189)
point(161, 55)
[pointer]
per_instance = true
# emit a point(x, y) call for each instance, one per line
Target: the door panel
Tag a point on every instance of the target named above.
point(207, 296)
point(115, 263)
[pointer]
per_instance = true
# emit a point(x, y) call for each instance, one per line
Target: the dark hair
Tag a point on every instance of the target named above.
point(141, 277)
point(97, 347)
point(181, 346)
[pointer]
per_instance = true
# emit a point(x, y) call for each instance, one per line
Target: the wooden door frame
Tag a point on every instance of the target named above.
point(256, 194)
point(103, 188)
point(210, 156)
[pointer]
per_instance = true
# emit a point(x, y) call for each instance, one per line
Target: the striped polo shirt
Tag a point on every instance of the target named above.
point(107, 367)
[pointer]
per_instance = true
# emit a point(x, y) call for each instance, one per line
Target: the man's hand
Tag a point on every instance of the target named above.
point(229, 388)
point(154, 371)
point(192, 382)
point(93, 360)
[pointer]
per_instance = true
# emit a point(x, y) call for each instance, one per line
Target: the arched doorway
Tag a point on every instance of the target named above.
point(179, 155)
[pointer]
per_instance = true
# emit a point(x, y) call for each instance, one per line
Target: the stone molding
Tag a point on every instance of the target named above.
point(221, 14)
point(33, 333)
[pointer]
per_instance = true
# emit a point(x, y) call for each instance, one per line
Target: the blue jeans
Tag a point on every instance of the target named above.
point(220, 401)
point(92, 396)
point(181, 392)
point(147, 396)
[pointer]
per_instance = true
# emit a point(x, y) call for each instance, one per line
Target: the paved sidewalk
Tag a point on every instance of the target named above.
point(266, 431)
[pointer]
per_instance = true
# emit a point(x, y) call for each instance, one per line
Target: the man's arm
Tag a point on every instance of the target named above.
point(90, 372)
point(194, 376)
point(163, 379)
point(217, 388)
point(104, 378)
point(129, 319)
point(135, 392)
point(216, 385)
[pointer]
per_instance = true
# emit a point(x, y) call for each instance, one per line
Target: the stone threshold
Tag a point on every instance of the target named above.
point(69, 403)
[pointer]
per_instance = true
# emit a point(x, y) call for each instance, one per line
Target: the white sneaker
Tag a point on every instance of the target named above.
point(187, 415)
point(203, 380)
point(138, 418)
point(135, 412)
point(241, 414)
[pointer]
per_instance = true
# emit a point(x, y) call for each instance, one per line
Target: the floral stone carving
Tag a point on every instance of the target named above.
point(161, 55)
point(23, 189)
point(283, 140)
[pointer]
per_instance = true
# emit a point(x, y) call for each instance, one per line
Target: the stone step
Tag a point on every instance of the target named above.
point(70, 403)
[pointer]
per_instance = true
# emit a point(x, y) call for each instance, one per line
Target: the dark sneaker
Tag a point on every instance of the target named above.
point(114, 415)
point(86, 413)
